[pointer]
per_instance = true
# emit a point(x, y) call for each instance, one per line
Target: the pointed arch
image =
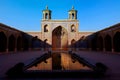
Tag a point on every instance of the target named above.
point(73, 43)
point(11, 44)
point(59, 38)
point(3, 42)
point(108, 43)
point(73, 15)
point(73, 28)
point(116, 41)
point(46, 15)
point(46, 28)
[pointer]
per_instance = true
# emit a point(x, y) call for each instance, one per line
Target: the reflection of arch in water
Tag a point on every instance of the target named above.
point(11, 45)
point(3, 42)
point(116, 41)
point(59, 39)
point(108, 43)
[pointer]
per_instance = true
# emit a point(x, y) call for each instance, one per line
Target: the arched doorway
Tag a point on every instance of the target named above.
point(3, 42)
point(108, 43)
point(100, 43)
point(59, 39)
point(73, 45)
point(116, 42)
point(11, 45)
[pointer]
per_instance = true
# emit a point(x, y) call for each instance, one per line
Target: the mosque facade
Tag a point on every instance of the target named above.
point(60, 34)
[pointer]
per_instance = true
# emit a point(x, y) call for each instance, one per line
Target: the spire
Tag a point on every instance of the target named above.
point(72, 14)
point(46, 13)
point(46, 7)
point(72, 7)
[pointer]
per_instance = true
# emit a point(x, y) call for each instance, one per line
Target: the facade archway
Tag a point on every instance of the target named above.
point(73, 45)
point(108, 43)
point(73, 29)
point(59, 39)
point(100, 43)
point(116, 42)
point(3, 42)
point(11, 45)
point(46, 28)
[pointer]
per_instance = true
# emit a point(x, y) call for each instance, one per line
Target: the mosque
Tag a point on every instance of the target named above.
point(59, 35)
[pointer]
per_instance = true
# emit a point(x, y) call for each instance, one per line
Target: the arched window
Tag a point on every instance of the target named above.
point(45, 40)
point(46, 28)
point(73, 28)
point(73, 41)
point(46, 15)
point(73, 15)
point(3, 42)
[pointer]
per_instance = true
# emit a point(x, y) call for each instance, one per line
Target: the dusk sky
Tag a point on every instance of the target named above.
point(93, 15)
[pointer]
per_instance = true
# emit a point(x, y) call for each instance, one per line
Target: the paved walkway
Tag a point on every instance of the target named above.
point(8, 60)
point(111, 60)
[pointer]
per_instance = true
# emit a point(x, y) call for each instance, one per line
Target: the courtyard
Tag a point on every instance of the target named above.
point(111, 60)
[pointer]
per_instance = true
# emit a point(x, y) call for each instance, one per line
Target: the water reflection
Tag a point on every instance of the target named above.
point(59, 64)
point(60, 61)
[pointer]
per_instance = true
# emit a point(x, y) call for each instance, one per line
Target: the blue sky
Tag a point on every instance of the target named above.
point(93, 15)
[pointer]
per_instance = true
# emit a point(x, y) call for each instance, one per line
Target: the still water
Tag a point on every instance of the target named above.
point(60, 61)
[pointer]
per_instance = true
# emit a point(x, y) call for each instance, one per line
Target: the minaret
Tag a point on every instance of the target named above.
point(72, 14)
point(46, 14)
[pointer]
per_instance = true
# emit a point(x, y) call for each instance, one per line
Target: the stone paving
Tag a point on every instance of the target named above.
point(8, 60)
point(112, 60)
